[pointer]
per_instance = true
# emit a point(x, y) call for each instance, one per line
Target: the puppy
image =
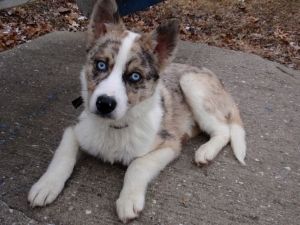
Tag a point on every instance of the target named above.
point(138, 110)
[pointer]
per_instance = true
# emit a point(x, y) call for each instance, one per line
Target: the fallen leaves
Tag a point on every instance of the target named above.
point(267, 28)
point(264, 27)
point(24, 23)
point(63, 10)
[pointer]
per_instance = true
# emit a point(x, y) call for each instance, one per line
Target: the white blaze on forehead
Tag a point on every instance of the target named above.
point(124, 51)
point(113, 85)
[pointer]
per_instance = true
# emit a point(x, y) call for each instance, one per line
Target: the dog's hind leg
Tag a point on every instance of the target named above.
point(216, 114)
point(52, 182)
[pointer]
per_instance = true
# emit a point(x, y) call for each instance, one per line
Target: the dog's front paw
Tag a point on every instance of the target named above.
point(129, 206)
point(44, 191)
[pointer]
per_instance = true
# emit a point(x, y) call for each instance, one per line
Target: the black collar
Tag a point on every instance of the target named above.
point(77, 102)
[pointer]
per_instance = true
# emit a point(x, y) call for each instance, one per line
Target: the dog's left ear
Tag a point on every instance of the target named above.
point(104, 16)
point(165, 41)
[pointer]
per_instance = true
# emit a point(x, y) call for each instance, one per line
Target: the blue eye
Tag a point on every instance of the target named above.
point(134, 77)
point(101, 66)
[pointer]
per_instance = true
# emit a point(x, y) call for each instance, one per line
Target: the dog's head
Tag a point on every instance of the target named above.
point(123, 67)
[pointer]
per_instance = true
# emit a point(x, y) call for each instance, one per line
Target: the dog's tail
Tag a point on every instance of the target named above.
point(238, 138)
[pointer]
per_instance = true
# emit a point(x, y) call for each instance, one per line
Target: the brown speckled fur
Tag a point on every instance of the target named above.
point(178, 120)
point(178, 124)
point(150, 56)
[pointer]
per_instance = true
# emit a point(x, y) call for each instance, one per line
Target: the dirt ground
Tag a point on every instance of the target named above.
point(269, 28)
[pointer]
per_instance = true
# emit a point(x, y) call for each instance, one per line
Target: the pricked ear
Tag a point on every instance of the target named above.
point(165, 41)
point(105, 14)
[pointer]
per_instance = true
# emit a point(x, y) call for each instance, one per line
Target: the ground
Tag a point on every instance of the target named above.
point(38, 81)
point(269, 28)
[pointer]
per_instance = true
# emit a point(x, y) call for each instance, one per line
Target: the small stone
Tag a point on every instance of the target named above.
point(239, 182)
point(154, 201)
point(88, 212)
point(11, 210)
point(70, 208)
point(287, 168)
point(63, 10)
point(82, 18)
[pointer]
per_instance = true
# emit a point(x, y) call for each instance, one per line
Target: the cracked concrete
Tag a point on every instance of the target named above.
point(39, 80)
point(9, 216)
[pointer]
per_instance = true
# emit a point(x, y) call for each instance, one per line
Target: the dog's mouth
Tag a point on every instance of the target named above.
point(119, 127)
point(105, 116)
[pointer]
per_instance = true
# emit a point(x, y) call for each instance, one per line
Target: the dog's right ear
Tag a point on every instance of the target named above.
point(105, 13)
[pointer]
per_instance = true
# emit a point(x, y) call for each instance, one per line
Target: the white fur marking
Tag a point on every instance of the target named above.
point(52, 182)
point(84, 88)
point(218, 131)
point(97, 138)
point(238, 142)
point(139, 173)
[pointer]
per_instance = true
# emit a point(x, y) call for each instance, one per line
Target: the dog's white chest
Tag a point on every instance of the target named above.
point(118, 145)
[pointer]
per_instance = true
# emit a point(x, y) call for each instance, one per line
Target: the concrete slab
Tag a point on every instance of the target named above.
point(40, 79)
point(4, 4)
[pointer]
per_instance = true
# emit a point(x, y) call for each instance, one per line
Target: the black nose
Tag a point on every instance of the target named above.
point(105, 104)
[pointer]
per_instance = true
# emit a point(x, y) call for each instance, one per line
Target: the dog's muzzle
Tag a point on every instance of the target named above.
point(105, 105)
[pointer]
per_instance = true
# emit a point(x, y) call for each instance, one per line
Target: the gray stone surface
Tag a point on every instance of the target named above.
point(4, 4)
point(38, 80)
point(9, 216)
